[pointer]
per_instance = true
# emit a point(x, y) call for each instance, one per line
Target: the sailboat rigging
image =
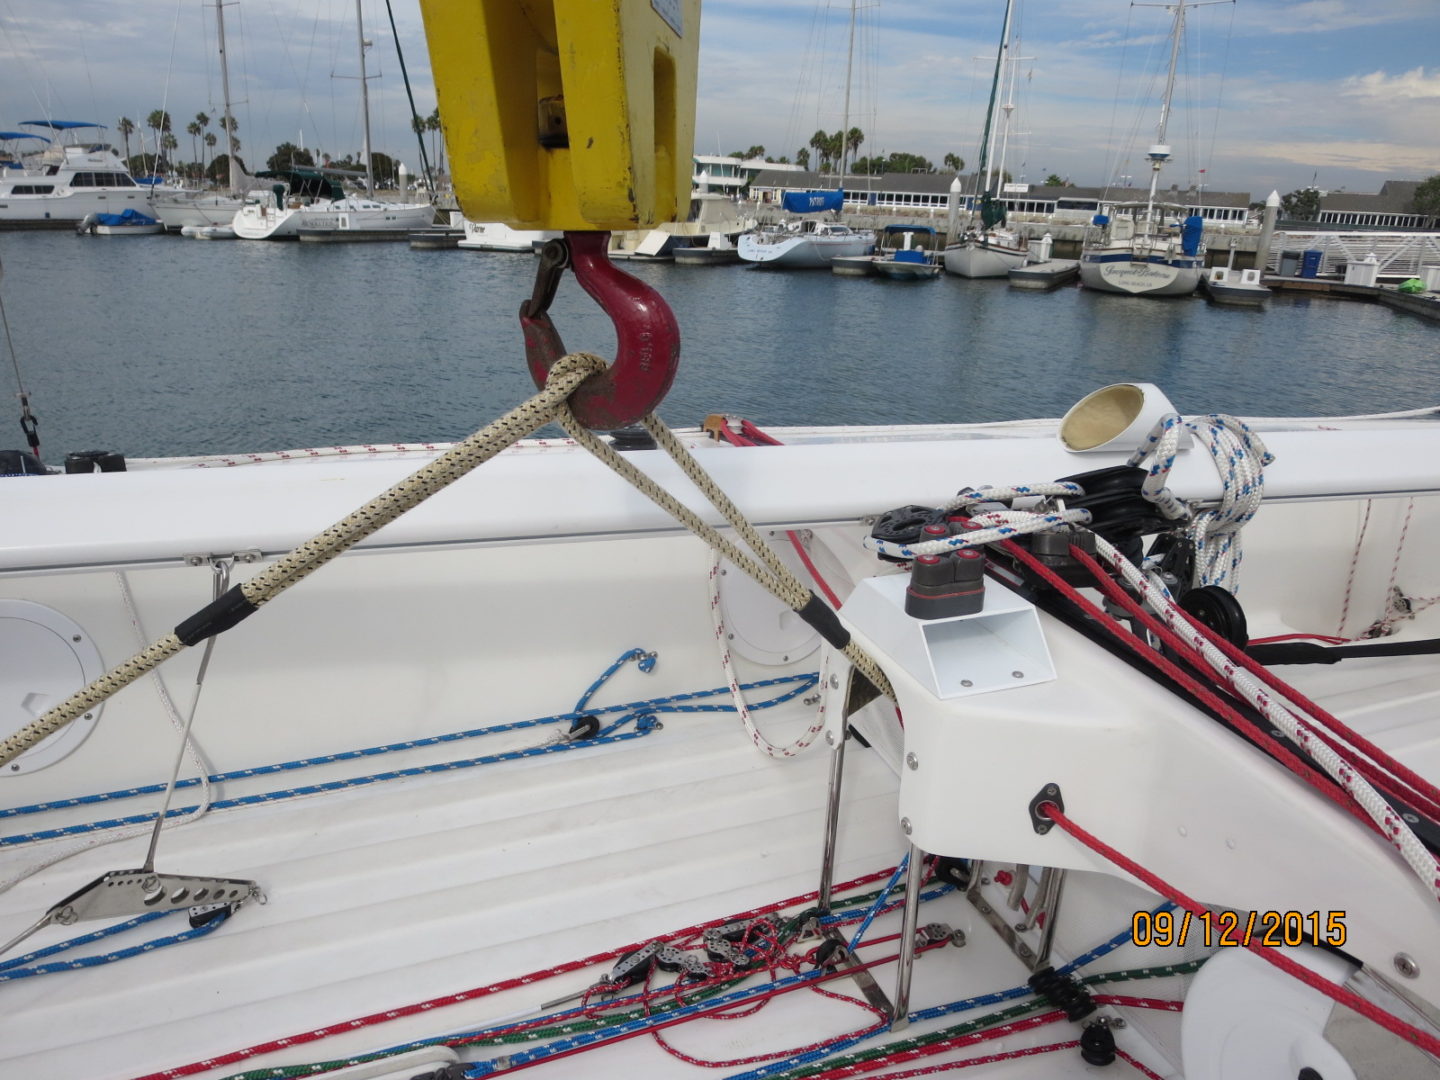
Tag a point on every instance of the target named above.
point(814, 243)
point(992, 250)
point(1151, 248)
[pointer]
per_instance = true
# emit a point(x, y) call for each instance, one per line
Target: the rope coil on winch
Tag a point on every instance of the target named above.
point(1240, 458)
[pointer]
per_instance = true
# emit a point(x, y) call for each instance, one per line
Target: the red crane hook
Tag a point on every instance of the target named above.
point(648, 338)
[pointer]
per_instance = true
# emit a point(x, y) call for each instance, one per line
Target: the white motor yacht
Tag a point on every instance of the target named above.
point(67, 181)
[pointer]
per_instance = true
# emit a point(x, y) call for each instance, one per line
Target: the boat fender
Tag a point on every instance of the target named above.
point(1062, 992)
point(1216, 608)
point(1097, 1044)
point(21, 463)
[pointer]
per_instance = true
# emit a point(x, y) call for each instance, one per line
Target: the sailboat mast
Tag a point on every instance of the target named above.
point(987, 141)
point(225, 89)
point(845, 116)
point(365, 101)
point(1160, 152)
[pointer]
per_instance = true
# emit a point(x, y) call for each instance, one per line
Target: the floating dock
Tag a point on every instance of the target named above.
point(437, 239)
point(1050, 274)
point(353, 236)
point(1426, 304)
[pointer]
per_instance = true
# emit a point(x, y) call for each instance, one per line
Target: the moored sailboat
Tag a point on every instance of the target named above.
point(991, 250)
point(1152, 248)
point(498, 757)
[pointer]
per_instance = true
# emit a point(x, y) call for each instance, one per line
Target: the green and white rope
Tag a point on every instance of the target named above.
point(462, 458)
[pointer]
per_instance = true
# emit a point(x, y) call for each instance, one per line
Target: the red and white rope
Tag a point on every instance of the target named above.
point(1295, 723)
point(732, 680)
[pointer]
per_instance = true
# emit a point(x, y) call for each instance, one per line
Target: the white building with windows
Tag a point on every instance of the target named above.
point(1392, 208)
point(929, 193)
point(732, 175)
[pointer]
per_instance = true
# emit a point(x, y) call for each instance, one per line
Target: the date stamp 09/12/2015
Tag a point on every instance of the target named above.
point(1238, 929)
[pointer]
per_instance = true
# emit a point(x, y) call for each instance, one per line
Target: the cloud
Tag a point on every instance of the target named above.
point(1413, 84)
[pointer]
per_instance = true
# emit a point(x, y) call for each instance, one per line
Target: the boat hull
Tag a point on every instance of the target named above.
point(906, 271)
point(263, 222)
point(1143, 277)
point(802, 252)
point(975, 259)
point(199, 213)
point(496, 236)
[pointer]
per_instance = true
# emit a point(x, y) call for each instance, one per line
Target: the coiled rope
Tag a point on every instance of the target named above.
point(462, 458)
point(1240, 458)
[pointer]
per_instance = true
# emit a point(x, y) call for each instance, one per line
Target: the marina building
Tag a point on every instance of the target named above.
point(1393, 207)
point(930, 193)
point(731, 175)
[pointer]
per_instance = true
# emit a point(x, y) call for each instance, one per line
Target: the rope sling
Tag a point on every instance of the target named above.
point(550, 404)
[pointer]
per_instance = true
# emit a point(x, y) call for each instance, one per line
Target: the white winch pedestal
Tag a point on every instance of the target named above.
point(1135, 764)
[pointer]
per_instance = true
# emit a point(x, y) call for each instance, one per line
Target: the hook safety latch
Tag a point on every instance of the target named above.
point(647, 335)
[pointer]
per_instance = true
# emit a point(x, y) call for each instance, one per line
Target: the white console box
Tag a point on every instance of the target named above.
point(997, 648)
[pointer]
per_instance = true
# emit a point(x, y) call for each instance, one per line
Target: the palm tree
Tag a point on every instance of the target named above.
point(159, 122)
point(432, 125)
point(126, 127)
point(955, 161)
point(203, 119)
point(821, 144)
point(802, 158)
point(168, 143)
point(853, 139)
point(193, 130)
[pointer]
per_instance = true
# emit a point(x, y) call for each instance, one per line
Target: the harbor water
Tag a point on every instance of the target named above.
point(162, 345)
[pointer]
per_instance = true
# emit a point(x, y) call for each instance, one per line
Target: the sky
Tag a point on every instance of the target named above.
point(1272, 94)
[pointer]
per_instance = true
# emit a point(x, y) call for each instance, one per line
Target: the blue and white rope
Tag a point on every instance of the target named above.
point(879, 903)
point(24, 967)
point(1240, 458)
point(641, 713)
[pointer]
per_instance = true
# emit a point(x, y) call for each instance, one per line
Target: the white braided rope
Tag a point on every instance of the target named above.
point(1002, 525)
point(1295, 722)
point(737, 696)
point(1240, 457)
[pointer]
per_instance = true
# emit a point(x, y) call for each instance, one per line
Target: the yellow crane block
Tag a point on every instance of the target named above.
point(567, 114)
